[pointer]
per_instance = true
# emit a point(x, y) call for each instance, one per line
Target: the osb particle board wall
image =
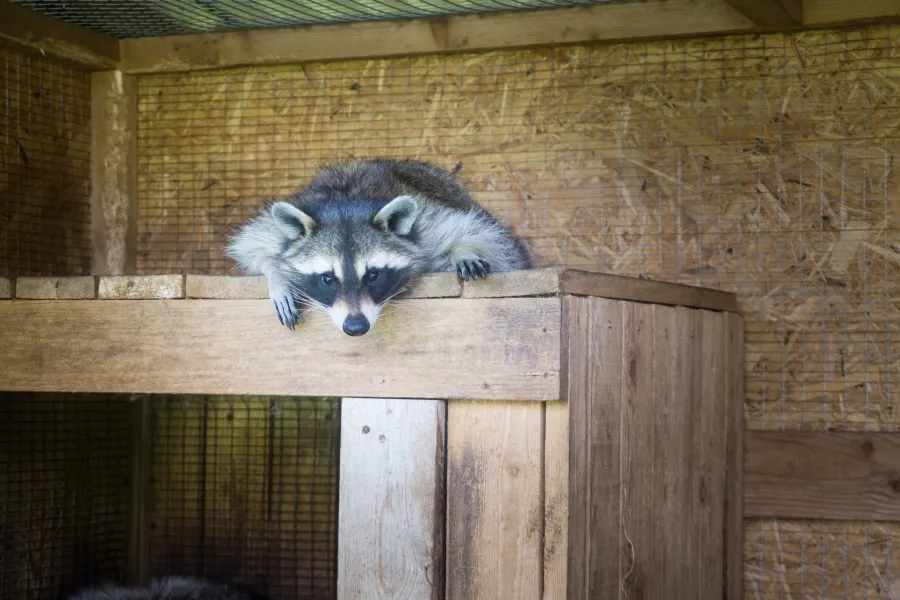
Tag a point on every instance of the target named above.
point(45, 169)
point(762, 165)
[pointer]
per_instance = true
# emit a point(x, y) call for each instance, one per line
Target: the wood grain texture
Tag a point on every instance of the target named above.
point(829, 13)
point(535, 282)
point(5, 288)
point(734, 461)
point(141, 287)
point(390, 534)
point(440, 348)
point(51, 36)
point(607, 22)
point(584, 283)
point(138, 566)
point(113, 173)
point(56, 288)
point(556, 500)
point(592, 374)
point(770, 13)
point(822, 475)
point(494, 510)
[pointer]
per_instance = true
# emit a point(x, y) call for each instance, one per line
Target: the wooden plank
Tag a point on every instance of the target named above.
point(141, 287)
point(734, 461)
point(5, 288)
point(56, 288)
point(439, 348)
point(556, 501)
point(831, 13)
point(639, 410)
point(770, 13)
point(51, 36)
point(391, 530)
point(822, 475)
point(429, 285)
point(535, 282)
point(574, 25)
point(593, 381)
point(584, 283)
point(494, 511)
point(113, 173)
point(138, 567)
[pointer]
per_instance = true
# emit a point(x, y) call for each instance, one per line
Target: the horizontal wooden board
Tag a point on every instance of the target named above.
point(51, 36)
point(822, 475)
point(439, 348)
point(462, 33)
point(56, 288)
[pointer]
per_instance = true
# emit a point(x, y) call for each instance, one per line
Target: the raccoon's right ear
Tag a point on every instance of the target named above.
point(293, 222)
point(398, 215)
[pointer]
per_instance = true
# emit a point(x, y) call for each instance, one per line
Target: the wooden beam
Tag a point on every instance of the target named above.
point(467, 33)
point(494, 503)
point(834, 13)
point(60, 39)
point(441, 348)
point(734, 459)
point(770, 13)
point(113, 173)
point(391, 526)
point(822, 475)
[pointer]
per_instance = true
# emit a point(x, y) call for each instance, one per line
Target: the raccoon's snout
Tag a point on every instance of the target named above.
point(356, 325)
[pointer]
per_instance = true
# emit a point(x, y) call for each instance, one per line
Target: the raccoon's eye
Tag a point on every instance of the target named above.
point(372, 275)
point(327, 279)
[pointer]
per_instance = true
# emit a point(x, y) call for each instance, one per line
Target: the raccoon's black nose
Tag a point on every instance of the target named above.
point(356, 325)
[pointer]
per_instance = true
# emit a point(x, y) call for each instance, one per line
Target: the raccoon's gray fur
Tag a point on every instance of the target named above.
point(168, 588)
point(352, 239)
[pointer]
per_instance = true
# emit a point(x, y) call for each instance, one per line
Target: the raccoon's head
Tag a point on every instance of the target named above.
point(348, 258)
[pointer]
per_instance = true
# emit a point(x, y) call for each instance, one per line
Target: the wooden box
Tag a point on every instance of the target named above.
point(538, 435)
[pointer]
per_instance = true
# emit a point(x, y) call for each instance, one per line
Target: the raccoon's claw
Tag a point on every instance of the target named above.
point(476, 268)
point(287, 313)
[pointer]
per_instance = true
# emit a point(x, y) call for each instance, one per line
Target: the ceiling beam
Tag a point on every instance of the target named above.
point(770, 13)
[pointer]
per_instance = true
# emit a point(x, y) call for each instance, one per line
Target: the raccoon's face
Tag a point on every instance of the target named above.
point(350, 259)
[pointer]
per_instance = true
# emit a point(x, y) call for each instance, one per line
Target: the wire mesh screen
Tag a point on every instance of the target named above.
point(64, 492)
point(129, 19)
point(45, 109)
point(245, 489)
point(763, 165)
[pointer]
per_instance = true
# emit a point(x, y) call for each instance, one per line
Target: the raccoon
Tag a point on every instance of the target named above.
point(168, 588)
point(352, 239)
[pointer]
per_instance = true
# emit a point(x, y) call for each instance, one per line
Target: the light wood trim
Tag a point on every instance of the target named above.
point(442, 348)
point(392, 500)
point(113, 173)
point(605, 22)
point(822, 475)
point(31, 29)
point(770, 13)
point(556, 500)
point(618, 287)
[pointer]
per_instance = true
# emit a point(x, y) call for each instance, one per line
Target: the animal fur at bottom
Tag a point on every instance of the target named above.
point(168, 588)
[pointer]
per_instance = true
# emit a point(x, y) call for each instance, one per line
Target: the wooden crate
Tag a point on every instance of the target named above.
point(541, 434)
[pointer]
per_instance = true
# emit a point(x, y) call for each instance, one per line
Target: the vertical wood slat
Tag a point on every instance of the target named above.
point(391, 499)
point(556, 500)
point(138, 566)
point(593, 327)
point(494, 489)
point(734, 458)
point(113, 173)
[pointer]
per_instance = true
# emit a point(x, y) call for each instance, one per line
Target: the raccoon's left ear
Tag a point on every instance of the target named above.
point(293, 222)
point(398, 215)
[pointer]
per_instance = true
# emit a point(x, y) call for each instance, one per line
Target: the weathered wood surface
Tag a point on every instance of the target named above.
point(56, 288)
point(494, 509)
point(734, 460)
point(70, 42)
point(822, 475)
point(439, 348)
point(392, 501)
point(556, 500)
point(141, 287)
point(113, 173)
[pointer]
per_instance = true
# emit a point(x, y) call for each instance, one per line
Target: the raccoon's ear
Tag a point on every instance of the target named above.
point(293, 222)
point(398, 215)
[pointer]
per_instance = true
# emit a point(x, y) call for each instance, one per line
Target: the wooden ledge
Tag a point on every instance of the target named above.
point(532, 283)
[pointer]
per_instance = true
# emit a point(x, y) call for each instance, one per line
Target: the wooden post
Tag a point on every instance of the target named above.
point(391, 499)
point(113, 173)
point(494, 500)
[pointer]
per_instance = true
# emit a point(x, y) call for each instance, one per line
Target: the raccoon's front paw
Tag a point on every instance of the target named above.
point(472, 266)
point(284, 305)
